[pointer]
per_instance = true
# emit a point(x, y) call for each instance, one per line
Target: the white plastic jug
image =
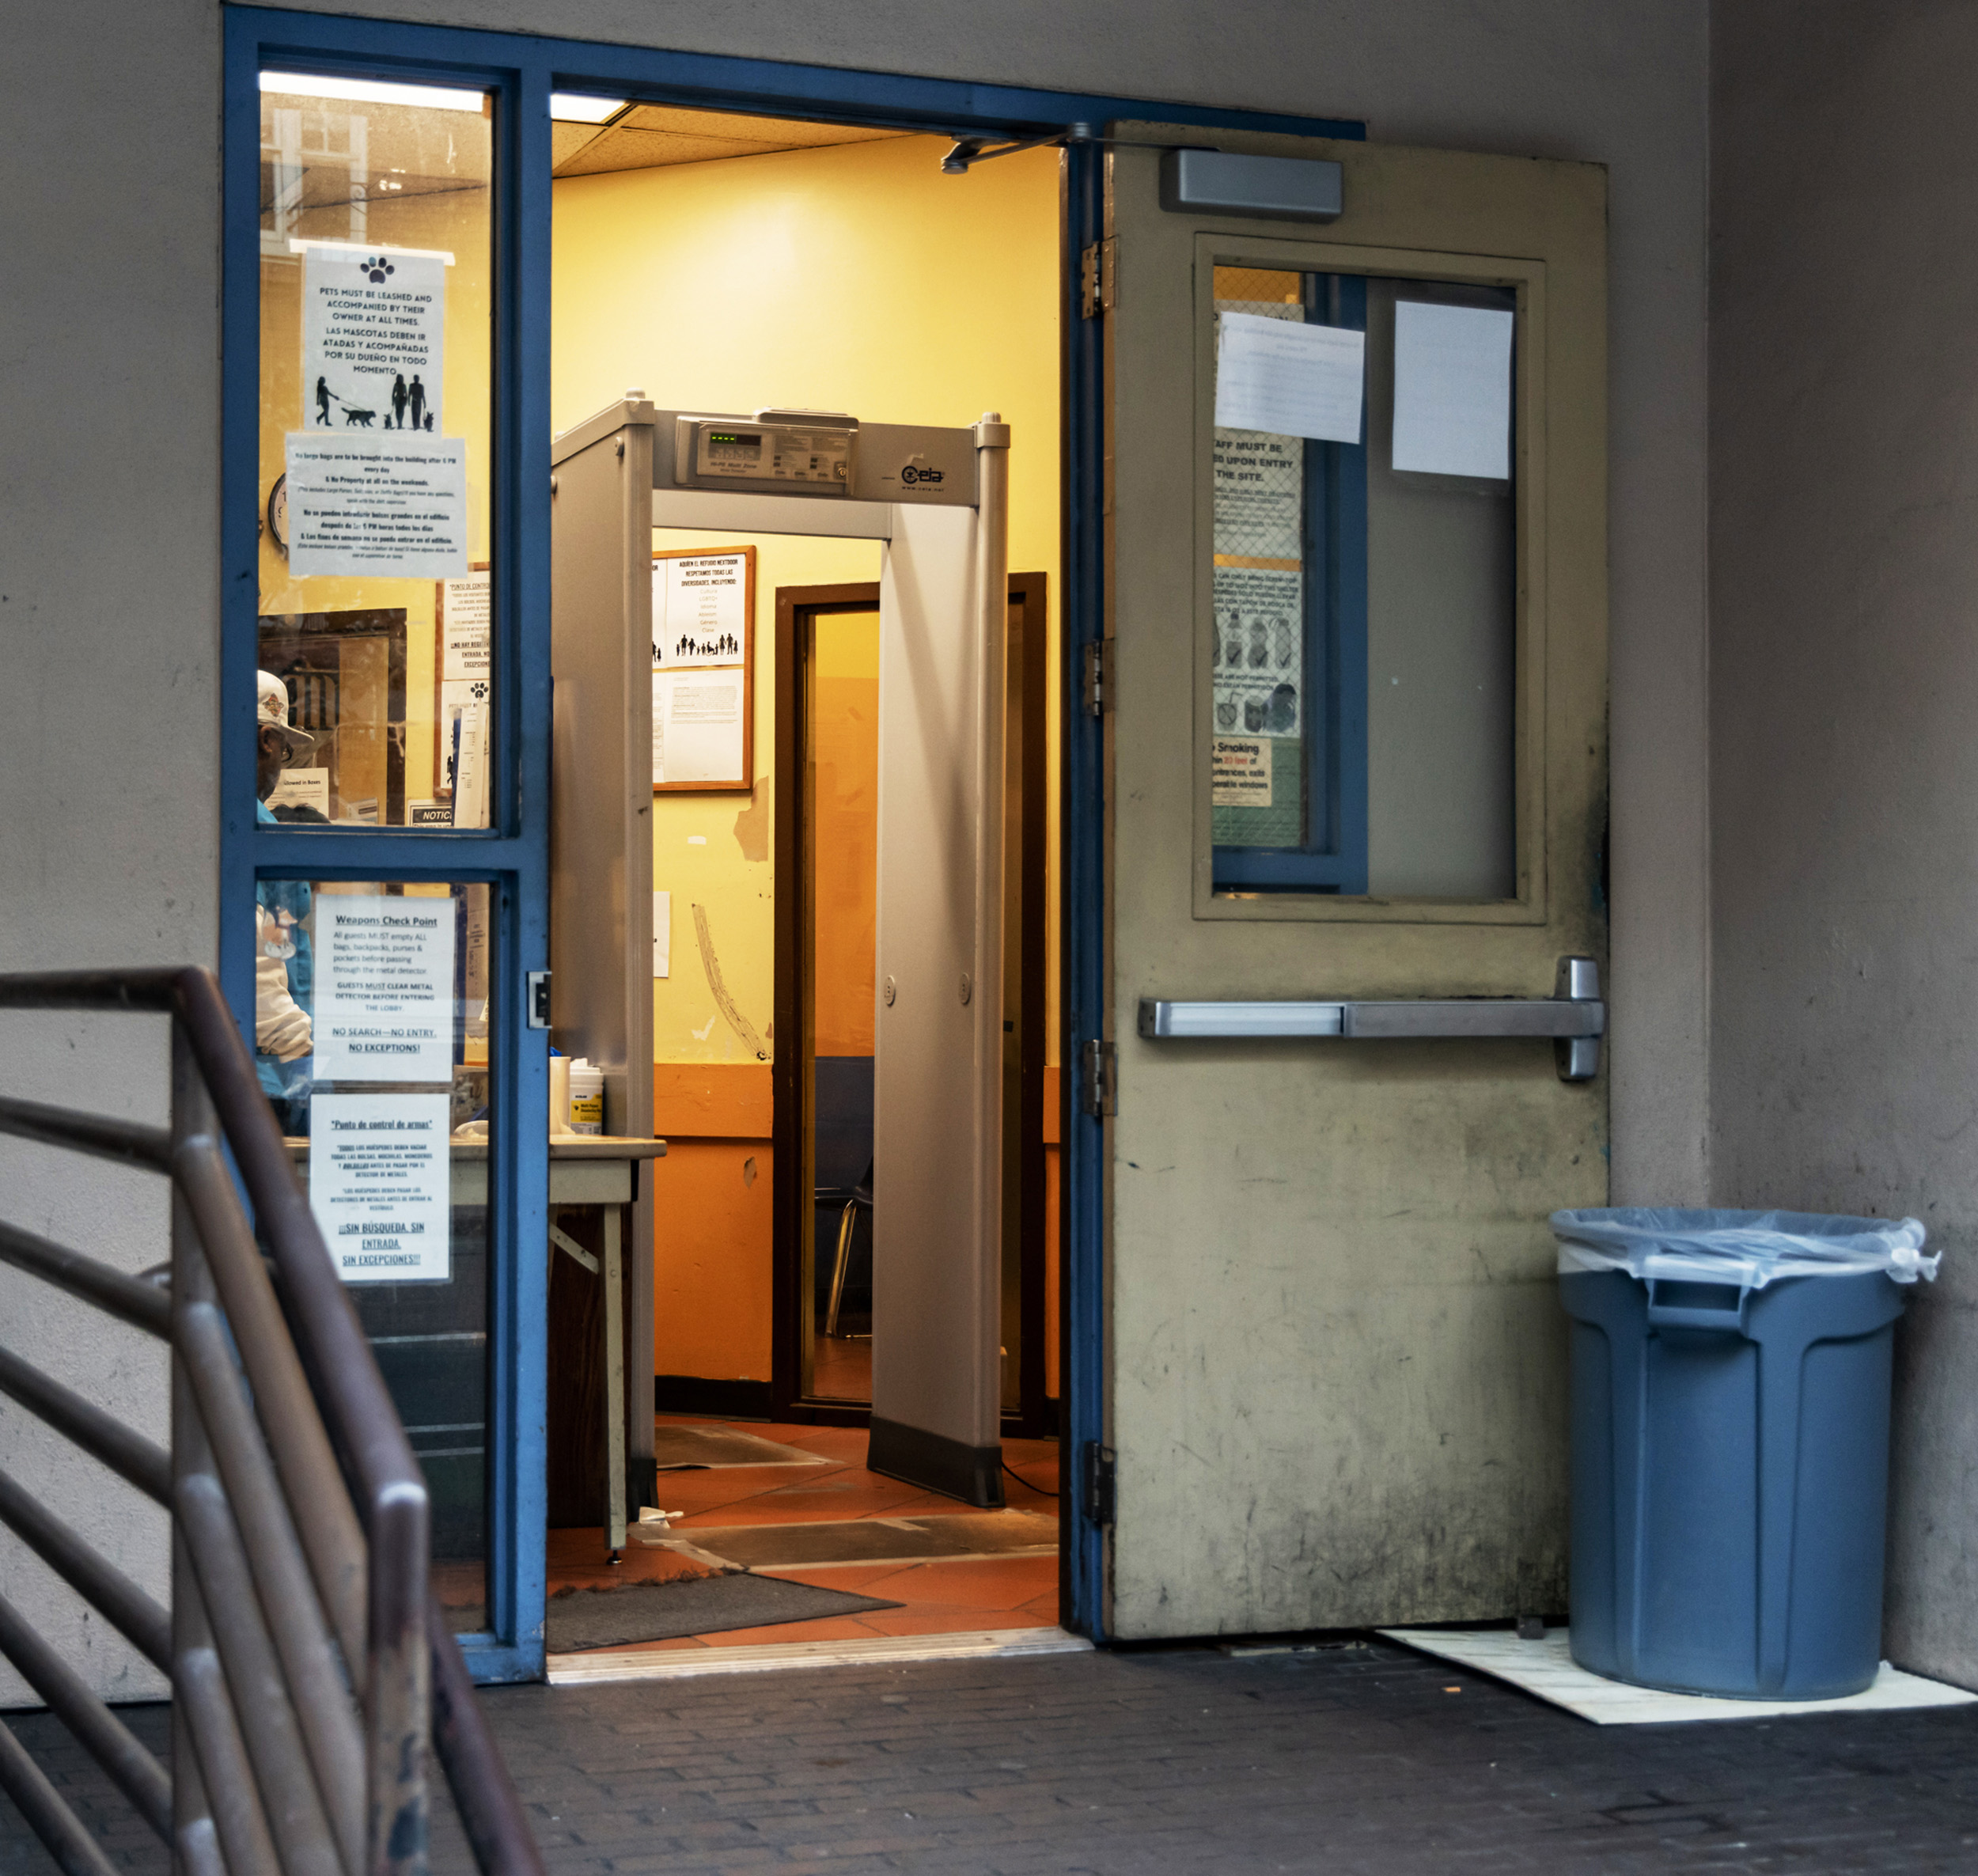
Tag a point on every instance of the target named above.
point(586, 1097)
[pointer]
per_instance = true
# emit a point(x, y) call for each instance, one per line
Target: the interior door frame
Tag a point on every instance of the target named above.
point(796, 608)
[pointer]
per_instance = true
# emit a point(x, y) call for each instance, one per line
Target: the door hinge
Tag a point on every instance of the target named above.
point(1098, 685)
point(1098, 1093)
point(1099, 277)
point(1100, 1485)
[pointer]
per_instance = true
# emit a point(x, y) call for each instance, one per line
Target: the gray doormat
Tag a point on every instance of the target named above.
point(580, 1619)
point(677, 1448)
point(874, 1539)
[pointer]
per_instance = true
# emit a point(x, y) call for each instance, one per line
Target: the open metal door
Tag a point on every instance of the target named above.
point(1356, 799)
point(937, 1406)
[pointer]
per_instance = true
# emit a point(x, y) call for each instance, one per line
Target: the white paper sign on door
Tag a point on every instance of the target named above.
point(391, 506)
point(373, 333)
point(700, 609)
point(1452, 389)
point(383, 988)
point(1292, 381)
point(379, 1167)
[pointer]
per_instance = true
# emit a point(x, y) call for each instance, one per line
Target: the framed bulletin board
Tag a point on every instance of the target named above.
point(703, 670)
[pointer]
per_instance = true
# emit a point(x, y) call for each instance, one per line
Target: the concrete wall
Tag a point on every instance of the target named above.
point(109, 461)
point(1844, 561)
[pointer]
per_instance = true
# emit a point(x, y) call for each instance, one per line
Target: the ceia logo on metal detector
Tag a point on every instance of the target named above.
point(910, 476)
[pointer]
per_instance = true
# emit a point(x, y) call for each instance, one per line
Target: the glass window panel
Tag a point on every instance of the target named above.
point(376, 374)
point(373, 1045)
point(1362, 658)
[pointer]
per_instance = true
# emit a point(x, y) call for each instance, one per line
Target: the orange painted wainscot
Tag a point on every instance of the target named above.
point(712, 1220)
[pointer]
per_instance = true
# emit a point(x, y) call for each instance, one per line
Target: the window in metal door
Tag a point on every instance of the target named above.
point(1362, 642)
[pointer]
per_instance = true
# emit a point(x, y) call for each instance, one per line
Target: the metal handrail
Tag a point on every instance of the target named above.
point(311, 1665)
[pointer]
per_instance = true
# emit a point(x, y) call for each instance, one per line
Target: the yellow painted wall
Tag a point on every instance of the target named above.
point(854, 278)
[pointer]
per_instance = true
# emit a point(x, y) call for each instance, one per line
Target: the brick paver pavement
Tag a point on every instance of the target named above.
point(1352, 1762)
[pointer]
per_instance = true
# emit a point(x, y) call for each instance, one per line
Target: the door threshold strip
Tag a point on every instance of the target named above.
point(601, 1664)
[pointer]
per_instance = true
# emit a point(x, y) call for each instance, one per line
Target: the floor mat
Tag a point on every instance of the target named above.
point(695, 1605)
point(677, 1448)
point(1548, 1669)
point(872, 1539)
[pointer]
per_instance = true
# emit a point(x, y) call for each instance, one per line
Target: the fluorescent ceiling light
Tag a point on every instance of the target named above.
point(572, 107)
point(371, 91)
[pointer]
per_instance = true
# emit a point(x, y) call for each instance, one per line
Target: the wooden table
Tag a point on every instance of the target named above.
point(586, 1170)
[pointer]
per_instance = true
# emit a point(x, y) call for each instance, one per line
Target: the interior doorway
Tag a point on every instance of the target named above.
point(827, 987)
point(762, 1036)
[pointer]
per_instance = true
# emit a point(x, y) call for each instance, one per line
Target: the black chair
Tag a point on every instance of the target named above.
point(854, 1197)
point(841, 1144)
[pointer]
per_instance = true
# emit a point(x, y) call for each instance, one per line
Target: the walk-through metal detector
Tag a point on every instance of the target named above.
point(937, 502)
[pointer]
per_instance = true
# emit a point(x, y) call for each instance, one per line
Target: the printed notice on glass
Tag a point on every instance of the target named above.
point(697, 725)
point(1256, 659)
point(383, 988)
point(466, 628)
point(391, 506)
point(373, 325)
point(378, 1185)
point(1290, 380)
point(1240, 772)
point(1260, 496)
point(700, 609)
point(1452, 389)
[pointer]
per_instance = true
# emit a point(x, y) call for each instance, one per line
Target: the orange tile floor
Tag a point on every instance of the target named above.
point(937, 1598)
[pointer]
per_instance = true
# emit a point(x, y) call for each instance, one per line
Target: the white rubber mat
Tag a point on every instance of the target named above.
point(1548, 1669)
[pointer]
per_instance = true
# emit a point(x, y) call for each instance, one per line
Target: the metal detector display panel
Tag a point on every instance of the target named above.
point(760, 456)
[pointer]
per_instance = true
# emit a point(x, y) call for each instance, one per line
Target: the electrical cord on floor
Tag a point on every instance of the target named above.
point(1021, 1480)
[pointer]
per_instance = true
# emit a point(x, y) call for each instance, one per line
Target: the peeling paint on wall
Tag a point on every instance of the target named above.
point(752, 825)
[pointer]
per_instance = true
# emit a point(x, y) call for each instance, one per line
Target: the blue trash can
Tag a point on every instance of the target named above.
point(1731, 1399)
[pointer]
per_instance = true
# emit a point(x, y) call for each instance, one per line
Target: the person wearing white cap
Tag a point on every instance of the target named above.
point(278, 744)
point(283, 976)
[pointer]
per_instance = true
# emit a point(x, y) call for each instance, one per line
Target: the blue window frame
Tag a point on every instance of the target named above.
point(512, 854)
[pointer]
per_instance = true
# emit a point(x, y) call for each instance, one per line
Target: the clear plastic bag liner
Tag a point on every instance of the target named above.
point(1748, 1248)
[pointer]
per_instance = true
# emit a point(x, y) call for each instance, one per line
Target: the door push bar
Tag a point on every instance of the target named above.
point(1573, 1016)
